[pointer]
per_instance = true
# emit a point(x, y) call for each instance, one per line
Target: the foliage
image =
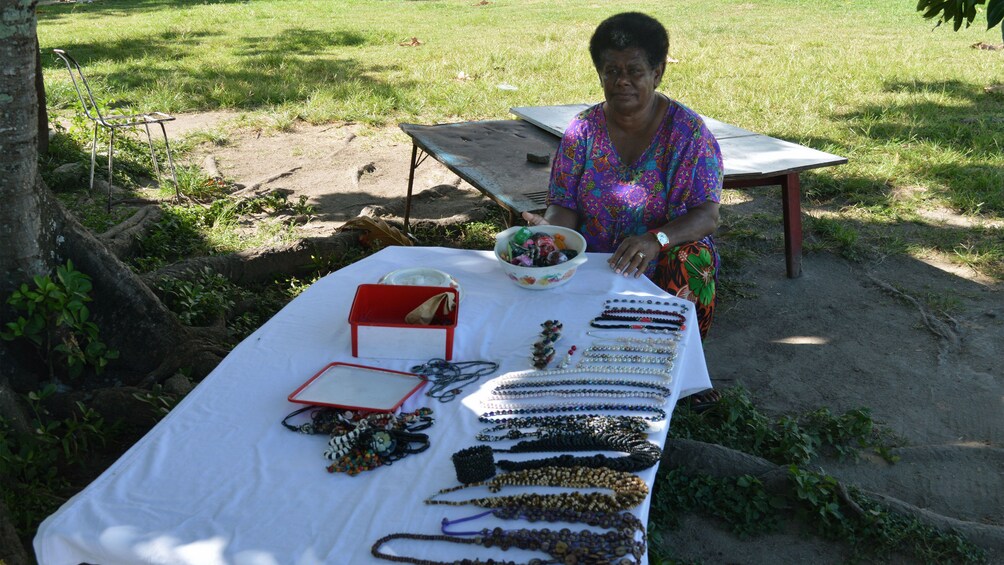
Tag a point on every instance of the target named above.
point(33, 465)
point(959, 11)
point(819, 500)
point(160, 401)
point(736, 423)
point(199, 302)
point(870, 529)
point(741, 502)
point(54, 317)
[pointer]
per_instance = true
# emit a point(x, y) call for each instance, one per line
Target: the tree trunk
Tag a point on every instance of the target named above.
point(43, 113)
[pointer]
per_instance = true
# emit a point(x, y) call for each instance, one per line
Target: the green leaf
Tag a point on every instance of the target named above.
point(995, 12)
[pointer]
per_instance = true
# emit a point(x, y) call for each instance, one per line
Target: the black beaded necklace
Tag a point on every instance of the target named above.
point(642, 453)
point(544, 426)
point(563, 546)
point(448, 379)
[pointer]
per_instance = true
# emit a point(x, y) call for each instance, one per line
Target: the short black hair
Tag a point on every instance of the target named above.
point(630, 30)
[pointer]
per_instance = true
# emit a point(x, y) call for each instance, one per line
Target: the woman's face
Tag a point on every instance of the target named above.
point(627, 79)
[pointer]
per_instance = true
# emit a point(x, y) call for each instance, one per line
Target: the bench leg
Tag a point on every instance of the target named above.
point(792, 212)
point(417, 159)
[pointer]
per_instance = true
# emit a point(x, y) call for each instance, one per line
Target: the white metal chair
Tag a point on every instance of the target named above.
point(114, 123)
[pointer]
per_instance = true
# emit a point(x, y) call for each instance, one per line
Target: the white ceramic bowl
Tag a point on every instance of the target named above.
point(422, 276)
point(540, 278)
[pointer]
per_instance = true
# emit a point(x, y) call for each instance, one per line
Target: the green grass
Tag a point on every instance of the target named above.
point(869, 80)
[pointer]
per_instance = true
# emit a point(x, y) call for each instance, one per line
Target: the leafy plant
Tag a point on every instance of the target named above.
point(32, 463)
point(201, 301)
point(54, 317)
point(736, 423)
point(959, 11)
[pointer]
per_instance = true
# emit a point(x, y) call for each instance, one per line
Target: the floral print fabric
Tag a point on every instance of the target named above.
point(681, 169)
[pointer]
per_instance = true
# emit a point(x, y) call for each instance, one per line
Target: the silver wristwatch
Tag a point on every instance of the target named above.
point(662, 238)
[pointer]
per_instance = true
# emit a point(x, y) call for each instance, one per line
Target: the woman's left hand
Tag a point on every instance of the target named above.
point(634, 254)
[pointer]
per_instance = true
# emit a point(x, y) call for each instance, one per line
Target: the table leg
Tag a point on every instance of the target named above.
point(411, 184)
point(792, 212)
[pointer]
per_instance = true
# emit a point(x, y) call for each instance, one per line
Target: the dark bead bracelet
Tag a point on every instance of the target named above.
point(474, 464)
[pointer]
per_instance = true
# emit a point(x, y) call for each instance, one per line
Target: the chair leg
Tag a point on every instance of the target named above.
point(94, 154)
point(170, 161)
point(111, 153)
point(153, 154)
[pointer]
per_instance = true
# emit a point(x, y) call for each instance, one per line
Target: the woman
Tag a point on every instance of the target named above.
point(640, 175)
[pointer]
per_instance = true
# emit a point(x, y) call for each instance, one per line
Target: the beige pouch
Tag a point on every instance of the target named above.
point(427, 311)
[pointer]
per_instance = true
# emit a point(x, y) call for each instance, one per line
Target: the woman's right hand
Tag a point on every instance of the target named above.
point(534, 219)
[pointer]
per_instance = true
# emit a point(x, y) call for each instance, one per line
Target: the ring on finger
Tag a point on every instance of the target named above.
point(640, 254)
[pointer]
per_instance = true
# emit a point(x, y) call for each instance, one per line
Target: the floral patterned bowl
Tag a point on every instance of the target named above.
point(541, 278)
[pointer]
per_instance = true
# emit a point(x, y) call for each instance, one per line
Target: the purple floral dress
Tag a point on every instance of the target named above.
point(681, 169)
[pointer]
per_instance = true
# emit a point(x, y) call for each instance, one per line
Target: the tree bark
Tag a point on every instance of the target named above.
point(43, 113)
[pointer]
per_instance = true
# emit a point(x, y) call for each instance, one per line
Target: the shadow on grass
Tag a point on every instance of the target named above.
point(943, 116)
point(287, 67)
point(104, 8)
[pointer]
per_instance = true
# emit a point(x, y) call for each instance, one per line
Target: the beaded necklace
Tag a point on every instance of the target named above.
point(628, 490)
point(642, 453)
point(548, 425)
point(642, 301)
point(515, 385)
point(502, 411)
point(644, 328)
point(640, 359)
point(621, 521)
point(563, 546)
point(359, 441)
point(645, 319)
point(586, 366)
point(625, 348)
point(577, 392)
point(448, 379)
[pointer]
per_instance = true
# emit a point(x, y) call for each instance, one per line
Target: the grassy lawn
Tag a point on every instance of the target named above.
point(868, 80)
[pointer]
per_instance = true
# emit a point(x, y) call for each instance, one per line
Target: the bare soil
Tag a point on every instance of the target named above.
point(917, 343)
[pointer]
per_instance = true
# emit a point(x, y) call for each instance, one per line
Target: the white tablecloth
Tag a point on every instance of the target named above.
point(219, 480)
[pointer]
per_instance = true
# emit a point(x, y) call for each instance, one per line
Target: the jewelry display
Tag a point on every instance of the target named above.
point(563, 546)
point(620, 521)
point(625, 522)
point(585, 366)
point(644, 311)
point(548, 425)
point(568, 358)
point(507, 387)
point(645, 328)
point(683, 306)
point(449, 378)
point(490, 416)
point(642, 359)
point(628, 490)
point(640, 319)
point(594, 392)
point(627, 348)
point(543, 351)
point(474, 464)
point(642, 453)
point(364, 441)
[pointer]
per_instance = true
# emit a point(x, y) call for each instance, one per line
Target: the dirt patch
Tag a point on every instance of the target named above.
point(917, 344)
point(341, 169)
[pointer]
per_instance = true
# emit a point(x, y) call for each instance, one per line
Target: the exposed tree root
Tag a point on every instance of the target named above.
point(261, 264)
point(946, 330)
point(695, 457)
point(121, 240)
point(256, 189)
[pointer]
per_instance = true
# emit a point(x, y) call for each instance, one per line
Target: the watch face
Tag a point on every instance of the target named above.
point(663, 238)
